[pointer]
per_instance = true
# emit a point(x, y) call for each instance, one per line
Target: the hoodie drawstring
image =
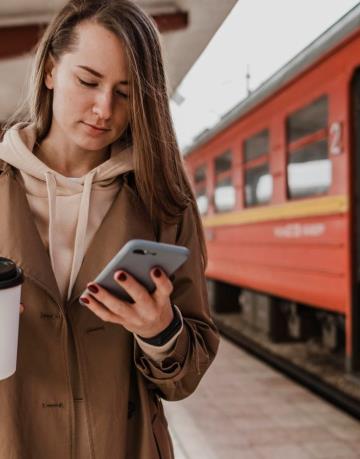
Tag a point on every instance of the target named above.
point(51, 190)
point(81, 227)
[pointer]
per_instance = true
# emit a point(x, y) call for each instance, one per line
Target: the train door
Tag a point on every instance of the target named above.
point(354, 363)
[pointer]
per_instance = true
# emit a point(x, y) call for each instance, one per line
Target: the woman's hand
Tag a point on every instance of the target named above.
point(147, 317)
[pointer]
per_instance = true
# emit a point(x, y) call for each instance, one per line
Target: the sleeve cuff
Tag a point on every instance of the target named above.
point(159, 353)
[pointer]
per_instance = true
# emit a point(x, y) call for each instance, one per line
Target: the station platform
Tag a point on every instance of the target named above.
point(243, 409)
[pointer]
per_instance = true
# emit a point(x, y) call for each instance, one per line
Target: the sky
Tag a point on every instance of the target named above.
point(259, 36)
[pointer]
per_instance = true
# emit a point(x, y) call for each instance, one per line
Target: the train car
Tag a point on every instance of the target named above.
point(278, 186)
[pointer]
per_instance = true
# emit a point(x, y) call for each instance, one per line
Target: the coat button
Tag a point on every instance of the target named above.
point(44, 315)
point(52, 405)
point(95, 329)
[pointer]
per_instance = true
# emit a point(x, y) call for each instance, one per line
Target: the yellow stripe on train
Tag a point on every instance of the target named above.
point(327, 205)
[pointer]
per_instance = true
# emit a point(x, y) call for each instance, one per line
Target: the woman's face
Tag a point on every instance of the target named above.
point(90, 85)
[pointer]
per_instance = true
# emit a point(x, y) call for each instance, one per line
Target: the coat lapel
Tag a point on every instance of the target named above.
point(19, 238)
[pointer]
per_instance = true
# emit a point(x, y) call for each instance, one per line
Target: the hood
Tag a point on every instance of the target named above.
point(16, 149)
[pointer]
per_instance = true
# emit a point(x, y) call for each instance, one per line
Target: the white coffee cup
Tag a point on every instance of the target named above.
point(11, 278)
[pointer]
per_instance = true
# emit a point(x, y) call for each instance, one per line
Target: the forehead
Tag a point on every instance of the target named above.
point(100, 49)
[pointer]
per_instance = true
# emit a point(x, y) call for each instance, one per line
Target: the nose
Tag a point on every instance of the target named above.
point(103, 105)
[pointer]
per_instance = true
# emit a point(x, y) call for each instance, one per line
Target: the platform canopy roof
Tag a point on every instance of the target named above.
point(186, 27)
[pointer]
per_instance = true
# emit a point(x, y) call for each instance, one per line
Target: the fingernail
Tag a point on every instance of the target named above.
point(84, 300)
point(121, 277)
point(93, 288)
point(157, 272)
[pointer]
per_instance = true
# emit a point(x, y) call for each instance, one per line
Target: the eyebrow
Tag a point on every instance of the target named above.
point(97, 74)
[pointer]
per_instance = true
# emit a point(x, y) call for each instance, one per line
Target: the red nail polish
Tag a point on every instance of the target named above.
point(157, 272)
point(93, 288)
point(122, 277)
point(84, 300)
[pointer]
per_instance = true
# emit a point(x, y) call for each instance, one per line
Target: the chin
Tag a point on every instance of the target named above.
point(93, 144)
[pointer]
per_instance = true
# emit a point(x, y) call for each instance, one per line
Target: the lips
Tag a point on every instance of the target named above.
point(99, 128)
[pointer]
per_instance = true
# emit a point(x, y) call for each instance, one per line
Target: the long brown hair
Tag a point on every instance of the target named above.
point(160, 176)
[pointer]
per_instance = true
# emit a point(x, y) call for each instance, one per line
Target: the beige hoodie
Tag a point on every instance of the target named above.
point(68, 210)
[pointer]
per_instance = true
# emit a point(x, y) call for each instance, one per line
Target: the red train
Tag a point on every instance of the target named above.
point(278, 185)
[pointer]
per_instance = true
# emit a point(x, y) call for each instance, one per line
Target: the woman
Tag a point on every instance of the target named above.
point(93, 164)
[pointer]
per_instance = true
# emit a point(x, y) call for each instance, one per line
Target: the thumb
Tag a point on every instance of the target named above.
point(21, 308)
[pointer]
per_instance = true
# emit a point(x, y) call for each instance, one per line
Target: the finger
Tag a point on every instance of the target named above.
point(164, 286)
point(99, 309)
point(108, 300)
point(136, 290)
point(21, 308)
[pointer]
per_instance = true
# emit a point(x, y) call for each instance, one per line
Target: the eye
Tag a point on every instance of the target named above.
point(86, 83)
point(122, 94)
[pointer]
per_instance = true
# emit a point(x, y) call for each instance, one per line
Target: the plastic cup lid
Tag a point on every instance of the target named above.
point(10, 274)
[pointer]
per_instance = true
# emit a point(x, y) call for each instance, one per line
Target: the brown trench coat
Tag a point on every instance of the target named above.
point(122, 387)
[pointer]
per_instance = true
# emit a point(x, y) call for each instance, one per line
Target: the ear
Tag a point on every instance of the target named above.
point(49, 72)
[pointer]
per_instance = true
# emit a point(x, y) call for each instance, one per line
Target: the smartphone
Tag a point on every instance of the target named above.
point(138, 257)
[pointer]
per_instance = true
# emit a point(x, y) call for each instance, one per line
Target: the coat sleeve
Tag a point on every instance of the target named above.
point(180, 372)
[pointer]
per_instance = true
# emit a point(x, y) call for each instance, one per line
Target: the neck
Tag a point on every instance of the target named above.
point(68, 160)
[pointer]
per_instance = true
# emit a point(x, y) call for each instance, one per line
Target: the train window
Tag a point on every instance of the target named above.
point(223, 163)
point(200, 189)
point(224, 195)
point(224, 198)
point(258, 181)
point(202, 201)
point(258, 185)
point(200, 174)
point(256, 146)
point(308, 120)
point(309, 170)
